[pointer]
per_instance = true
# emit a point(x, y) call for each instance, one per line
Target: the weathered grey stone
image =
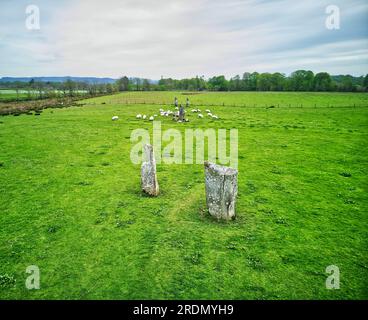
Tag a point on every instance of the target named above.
point(148, 172)
point(221, 190)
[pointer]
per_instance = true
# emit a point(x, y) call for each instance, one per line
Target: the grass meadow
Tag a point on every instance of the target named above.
point(70, 202)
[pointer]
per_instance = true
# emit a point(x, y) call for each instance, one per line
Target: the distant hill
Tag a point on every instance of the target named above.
point(94, 80)
point(59, 79)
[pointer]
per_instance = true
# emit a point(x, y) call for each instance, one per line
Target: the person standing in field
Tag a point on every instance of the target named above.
point(188, 103)
point(176, 102)
point(181, 113)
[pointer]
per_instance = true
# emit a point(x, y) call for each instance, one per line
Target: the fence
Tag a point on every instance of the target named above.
point(244, 105)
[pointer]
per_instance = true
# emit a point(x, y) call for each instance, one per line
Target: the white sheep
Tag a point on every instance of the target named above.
point(209, 114)
point(194, 110)
point(151, 118)
point(214, 117)
point(208, 111)
point(144, 117)
point(139, 116)
point(115, 118)
point(198, 110)
point(200, 115)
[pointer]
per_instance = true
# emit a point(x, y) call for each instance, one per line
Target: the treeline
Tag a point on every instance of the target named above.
point(300, 80)
point(42, 90)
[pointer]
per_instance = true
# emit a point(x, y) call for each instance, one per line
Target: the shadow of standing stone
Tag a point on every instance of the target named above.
point(148, 172)
point(221, 190)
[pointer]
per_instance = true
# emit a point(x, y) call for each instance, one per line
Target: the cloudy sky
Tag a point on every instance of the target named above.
point(181, 38)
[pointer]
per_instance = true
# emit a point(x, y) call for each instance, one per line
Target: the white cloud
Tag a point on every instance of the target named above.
point(183, 38)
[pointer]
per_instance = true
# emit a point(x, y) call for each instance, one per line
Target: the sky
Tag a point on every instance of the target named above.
point(182, 38)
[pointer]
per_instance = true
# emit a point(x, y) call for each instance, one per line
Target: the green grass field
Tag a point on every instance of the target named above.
point(9, 95)
point(70, 202)
point(248, 99)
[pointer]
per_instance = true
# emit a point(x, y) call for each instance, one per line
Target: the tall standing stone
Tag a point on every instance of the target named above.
point(148, 172)
point(221, 190)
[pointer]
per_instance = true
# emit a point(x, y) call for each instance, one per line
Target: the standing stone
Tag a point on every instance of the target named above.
point(221, 190)
point(148, 172)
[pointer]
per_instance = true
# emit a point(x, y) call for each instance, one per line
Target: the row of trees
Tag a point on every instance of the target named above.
point(40, 90)
point(300, 80)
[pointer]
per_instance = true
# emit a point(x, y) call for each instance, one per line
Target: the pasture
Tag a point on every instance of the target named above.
point(71, 203)
point(7, 95)
point(11, 95)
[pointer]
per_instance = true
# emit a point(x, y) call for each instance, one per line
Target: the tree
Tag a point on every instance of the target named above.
point(218, 83)
point(146, 85)
point(322, 82)
point(365, 83)
point(70, 87)
point(109, 88)
point(252, 81)
point(39, 85)
point(346, 83)
point(123, 84)
point(30, 87)
point(277, 82)
point(301, 80)
point(18, 86)
point(264, 81)
point(235, 84)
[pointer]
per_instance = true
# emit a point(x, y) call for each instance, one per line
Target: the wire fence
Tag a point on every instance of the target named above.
point(244, 105)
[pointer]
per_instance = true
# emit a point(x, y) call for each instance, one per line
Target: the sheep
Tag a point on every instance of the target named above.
point(194, 110)
point(200, 115)
point(214, 117)
point(155, 115)
point(209, 114)
point(151, 118)
point(115, 118)
point(198, 110)
point(161, 110)
point(208, 111)
point(144, 117)
point(139, 116)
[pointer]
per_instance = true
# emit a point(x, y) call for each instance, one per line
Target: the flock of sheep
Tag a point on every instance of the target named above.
point(175, 115)
point(209, 114)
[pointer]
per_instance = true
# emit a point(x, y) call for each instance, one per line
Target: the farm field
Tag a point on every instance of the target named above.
point(248, 99)
point(70, 202)
point(7, 95)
